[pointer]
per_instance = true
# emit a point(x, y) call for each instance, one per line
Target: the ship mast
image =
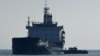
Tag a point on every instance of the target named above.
point(46, 8)
point(47, 15)
point(45, 3)
point(28, 21)
point(28, 25)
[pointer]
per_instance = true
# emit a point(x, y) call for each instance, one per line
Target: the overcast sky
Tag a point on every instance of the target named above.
point(80, 18)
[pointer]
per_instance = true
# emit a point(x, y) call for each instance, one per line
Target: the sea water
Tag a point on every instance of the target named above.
point(91, 53)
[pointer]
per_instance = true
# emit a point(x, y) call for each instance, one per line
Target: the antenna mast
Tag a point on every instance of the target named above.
point(28, 21)
point(45, 3)
point(46, 8)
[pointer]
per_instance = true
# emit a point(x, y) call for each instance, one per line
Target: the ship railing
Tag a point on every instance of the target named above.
point(37, 22)
point(43, 23)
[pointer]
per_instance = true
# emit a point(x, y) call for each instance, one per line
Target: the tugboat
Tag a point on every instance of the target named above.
point(74, 50)
point(43, 38)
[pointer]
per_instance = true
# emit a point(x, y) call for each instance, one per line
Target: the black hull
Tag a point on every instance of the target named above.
point(27, 46)
point(76, 52)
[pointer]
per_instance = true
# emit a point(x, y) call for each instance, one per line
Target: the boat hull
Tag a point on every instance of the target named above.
point(76, 52)
point(28, 46)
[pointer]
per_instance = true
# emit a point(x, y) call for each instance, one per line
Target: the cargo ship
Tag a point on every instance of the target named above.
point(43, 38)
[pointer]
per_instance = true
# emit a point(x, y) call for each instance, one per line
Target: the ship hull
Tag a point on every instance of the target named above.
point(29, 46)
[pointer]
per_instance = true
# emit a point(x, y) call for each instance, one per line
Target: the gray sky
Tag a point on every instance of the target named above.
point(80, 18)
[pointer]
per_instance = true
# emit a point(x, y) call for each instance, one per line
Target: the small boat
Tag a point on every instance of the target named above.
point(74, 50)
